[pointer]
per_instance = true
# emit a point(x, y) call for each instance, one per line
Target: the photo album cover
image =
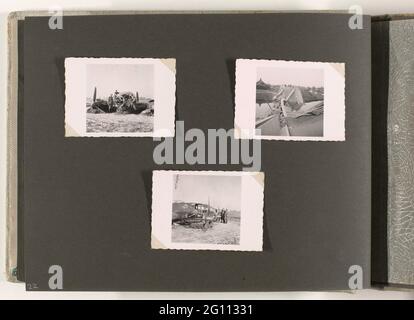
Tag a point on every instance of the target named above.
point(185, 151)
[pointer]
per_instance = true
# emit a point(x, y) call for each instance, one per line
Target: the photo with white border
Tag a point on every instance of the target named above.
point(207, 210)
point(289, 100)
point(119, 97)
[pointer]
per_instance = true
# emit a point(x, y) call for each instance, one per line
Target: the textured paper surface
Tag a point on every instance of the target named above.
point(100, 189)
point(12, 163)
point(401, 154)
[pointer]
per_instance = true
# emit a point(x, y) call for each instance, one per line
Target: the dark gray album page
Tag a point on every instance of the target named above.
point(87, 201)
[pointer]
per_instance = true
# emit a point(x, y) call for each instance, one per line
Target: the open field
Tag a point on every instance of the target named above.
point(113, 122)
point(220, 233)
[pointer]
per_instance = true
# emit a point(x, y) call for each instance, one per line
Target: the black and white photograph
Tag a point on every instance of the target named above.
point(289, 103)
point(206, 209)
point(211, 210)
point(119, 97)
point(290, 100)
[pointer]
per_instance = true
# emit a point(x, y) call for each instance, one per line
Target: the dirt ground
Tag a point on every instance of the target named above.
point(112, 122)
point(220, 233)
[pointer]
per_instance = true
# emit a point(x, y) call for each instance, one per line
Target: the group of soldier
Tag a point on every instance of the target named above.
point(220, 215)
point(223, 215)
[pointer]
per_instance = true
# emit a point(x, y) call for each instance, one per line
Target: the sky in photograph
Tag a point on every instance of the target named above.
point(298, 77)
point(223, 191)
point(122, 77)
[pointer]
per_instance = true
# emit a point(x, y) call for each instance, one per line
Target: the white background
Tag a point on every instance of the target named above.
point(16, 291)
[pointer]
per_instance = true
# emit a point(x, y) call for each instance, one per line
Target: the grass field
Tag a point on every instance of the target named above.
point(220, 233)
point(113, 122)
